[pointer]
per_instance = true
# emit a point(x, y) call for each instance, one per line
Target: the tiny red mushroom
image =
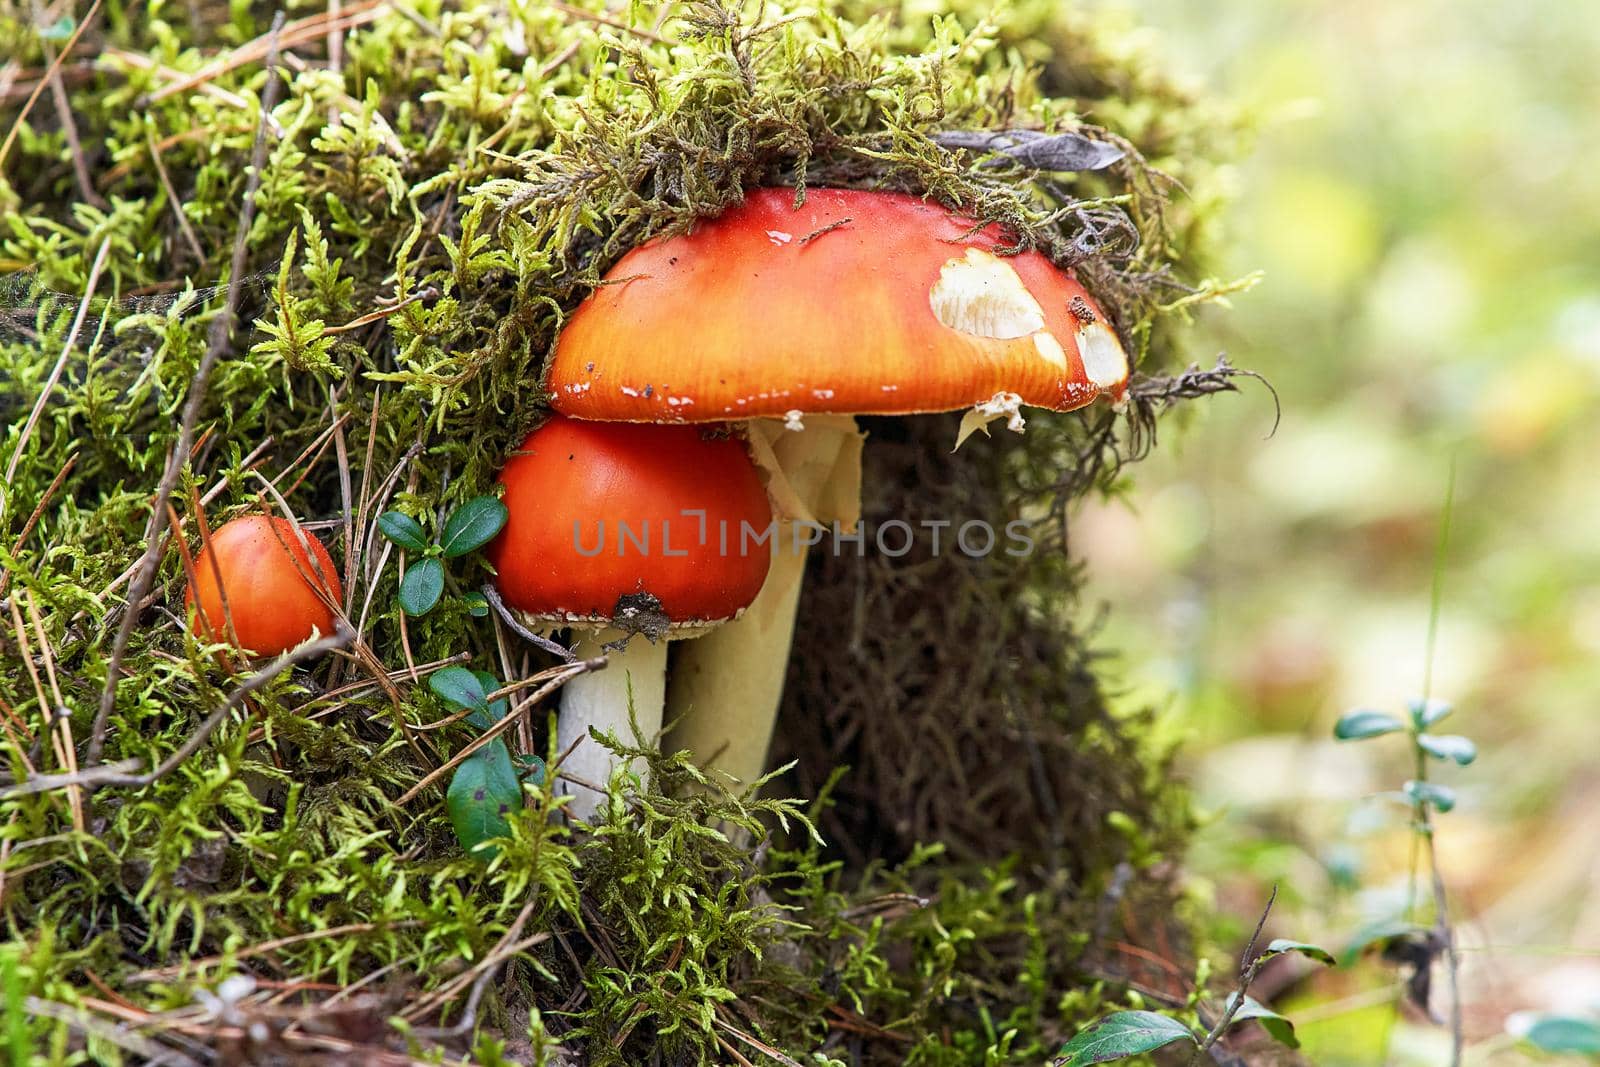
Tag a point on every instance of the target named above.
point(273, 593)
point(626, 533)
point(854, 303)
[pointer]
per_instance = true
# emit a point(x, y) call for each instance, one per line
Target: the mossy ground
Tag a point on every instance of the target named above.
point(442, 183)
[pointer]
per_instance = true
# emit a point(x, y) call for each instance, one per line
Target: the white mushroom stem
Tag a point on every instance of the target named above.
point(726, 686)
point(635, 676)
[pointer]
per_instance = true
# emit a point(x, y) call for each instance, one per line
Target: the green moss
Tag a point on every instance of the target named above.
point(427, 214)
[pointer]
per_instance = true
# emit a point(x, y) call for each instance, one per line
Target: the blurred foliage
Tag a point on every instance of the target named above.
point(1422, 205)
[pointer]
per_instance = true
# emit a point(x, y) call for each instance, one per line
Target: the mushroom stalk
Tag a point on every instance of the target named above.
point(635, 677)
point(727, 686)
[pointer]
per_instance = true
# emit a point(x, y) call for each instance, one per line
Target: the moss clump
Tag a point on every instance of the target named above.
point(440, 185)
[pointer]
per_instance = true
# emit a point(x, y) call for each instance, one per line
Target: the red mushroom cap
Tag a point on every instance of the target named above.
point(572, 487)
point(856, 303)
point(268, 578)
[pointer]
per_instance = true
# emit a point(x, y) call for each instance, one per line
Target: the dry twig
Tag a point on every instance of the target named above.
point(117, 774)
point(61, 363)
point(55, 66)
point(221, 327)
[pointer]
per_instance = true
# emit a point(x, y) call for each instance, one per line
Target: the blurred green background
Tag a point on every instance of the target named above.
point(1424, 199)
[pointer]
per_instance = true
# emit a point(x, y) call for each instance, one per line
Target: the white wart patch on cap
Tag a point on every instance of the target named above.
point(1104, 362)
point(981, 294)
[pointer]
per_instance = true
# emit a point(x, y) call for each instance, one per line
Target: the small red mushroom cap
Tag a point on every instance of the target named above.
point(268, 579)
point(857, 302)
point(603, 511)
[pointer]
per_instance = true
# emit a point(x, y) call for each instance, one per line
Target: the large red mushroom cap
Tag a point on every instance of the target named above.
point(268, 581)
point(573, 487)
point(857, 302)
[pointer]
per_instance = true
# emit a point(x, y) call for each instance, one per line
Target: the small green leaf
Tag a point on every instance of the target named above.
point(1344, 863)
point(1560, 1034)
point(422, 586)
point(1362, 723)
point(1282, 946)
point(477, 604)
point(532, 769)
point(1278, 1026)
point(483, 791)
point(485, 717)
point(403, 530)
point(1442, 798)
point(1121, 1035)
point(472, 525)
point(1448, 747)
point(60, 29)
point(1379, 935)
point(460, 688)
point(1427, 712)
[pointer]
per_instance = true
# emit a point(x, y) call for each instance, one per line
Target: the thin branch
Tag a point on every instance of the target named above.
point(606, 20)
point(38, 513)
point(498, 694)
point(174, 201)
point(335, 38)
point(1443, 931)
point(65, 757)
point(255, 682)
point(1447, 937)
point(301, 31)
point(1249, 955)
point(55, 65)
point(480, 975)
point(116, 774)
point(69, 126)
point(63, 741)
point(267, 947)
point(345, 490)
point(760, 1046)
point(120, 1036)
point(1193, 382)
point(1443, 936)
point(353, 548)
point(1249, 967)
point(61, 364)
point(221, 328)
point(567, 673)
point(381, 313)
point(493, 597)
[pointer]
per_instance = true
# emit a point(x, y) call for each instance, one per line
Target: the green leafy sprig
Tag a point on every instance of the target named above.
point(1125, 1034)
point(487, 786)
point(1362, 724)
point(469, 527)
